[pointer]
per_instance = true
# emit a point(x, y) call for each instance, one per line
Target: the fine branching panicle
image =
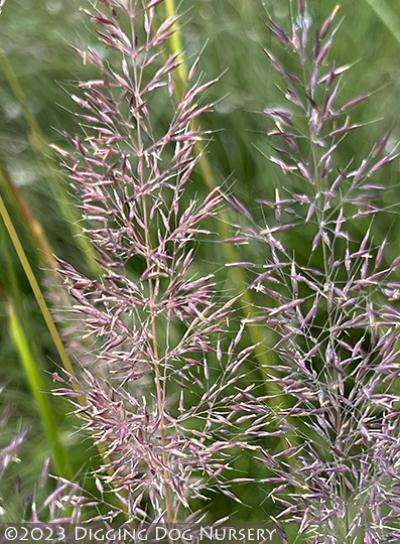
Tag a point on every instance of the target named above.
point(163, 397)
point(162, 381)
point(332, 302)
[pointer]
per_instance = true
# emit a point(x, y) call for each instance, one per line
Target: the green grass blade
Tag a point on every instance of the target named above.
point(47, 318)
point(177, 47)
point(260, 338)
point(32, 226)
point(55, 335)
point(36, 383)
point(387, 15)
point(44, 153)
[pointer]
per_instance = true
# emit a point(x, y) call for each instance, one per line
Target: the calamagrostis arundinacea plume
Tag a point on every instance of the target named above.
point(333, 304)
point(163, 414)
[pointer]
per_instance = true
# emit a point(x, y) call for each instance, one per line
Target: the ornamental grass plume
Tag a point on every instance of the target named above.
point(163, 396)
point(333, 305)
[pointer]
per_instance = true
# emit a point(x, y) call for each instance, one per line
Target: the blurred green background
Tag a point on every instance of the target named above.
point(36, 38)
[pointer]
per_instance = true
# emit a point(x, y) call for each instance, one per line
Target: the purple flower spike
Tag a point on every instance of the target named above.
point(161, 395)
point(334, 309)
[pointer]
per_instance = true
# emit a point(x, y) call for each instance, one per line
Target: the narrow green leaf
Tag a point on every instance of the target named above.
point(387, 15)
point(32, 226)
point(259, 337)
point(33, 375)
point(44, 153)
point(55, 335)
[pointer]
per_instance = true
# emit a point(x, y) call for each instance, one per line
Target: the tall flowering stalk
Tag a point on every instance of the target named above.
point(333, 305)
point(162, 396)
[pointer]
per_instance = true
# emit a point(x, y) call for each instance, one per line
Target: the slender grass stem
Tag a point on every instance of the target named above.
point(31, 367)
point(177, 46)
point(55, 335)
point(160, 394)
point(261, 339)
point(33, 227)
point(43, 152)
